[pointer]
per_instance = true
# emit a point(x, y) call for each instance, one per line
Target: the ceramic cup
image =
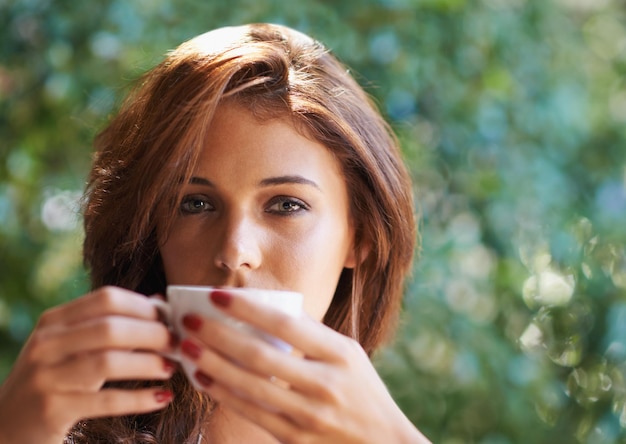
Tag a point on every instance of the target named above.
point(184, 299)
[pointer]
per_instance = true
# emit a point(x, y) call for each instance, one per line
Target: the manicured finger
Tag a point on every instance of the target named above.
point(254, 354)
point(288, 425)
point(115, 402)
point(89, 371)
point(212, 367)
point(113, 332)
point(104, 301)
point(62, 411)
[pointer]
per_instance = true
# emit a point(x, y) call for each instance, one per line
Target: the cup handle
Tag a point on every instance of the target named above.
point(164, 310)
point(165, 315)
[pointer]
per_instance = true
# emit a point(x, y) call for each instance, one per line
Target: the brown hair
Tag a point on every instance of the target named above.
point(150, 146)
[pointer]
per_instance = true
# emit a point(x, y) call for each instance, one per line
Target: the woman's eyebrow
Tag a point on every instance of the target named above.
point(281, 180)
point(270, 181)
point(200, 181)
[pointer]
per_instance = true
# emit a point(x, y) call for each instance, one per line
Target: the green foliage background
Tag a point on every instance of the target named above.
point(511, 114)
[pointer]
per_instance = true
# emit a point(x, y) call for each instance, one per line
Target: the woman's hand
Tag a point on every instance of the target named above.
point(74, 349)
point(331, 395)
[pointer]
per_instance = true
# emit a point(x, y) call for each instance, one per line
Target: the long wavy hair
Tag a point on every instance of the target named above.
point(149, 149)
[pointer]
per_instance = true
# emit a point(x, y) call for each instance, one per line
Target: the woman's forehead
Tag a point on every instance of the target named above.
point(239, 137)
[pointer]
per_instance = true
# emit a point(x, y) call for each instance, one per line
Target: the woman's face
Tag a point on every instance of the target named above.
point(266, 207)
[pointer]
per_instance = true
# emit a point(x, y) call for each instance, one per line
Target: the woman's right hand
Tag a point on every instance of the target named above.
point(110, 334)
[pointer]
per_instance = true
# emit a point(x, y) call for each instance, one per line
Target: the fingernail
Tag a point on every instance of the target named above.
point(190, 349)
point(169, 366)
point(163, 396)
point(192, 322)
point(203, 379)
point(221, 298)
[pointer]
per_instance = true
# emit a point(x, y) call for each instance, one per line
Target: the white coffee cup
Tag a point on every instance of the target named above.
point(186, 299)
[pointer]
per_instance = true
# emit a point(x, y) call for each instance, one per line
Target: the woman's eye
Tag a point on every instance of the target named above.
point(195, 204)
point(286, 205)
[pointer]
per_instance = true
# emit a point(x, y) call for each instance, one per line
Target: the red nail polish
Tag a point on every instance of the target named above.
point(192, 322)
point(203, 379)
point(163, 396)
point(169, 366)
point(221, 298)
point(190, 349)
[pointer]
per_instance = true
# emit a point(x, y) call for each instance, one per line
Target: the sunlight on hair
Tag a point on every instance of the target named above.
point(213, 41)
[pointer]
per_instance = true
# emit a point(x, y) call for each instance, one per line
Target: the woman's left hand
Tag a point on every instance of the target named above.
point(330, 393)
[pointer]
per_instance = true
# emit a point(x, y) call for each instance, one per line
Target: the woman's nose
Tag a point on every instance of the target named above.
point(238, 245)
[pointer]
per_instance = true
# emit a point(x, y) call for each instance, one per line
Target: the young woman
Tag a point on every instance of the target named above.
point(248, 158)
